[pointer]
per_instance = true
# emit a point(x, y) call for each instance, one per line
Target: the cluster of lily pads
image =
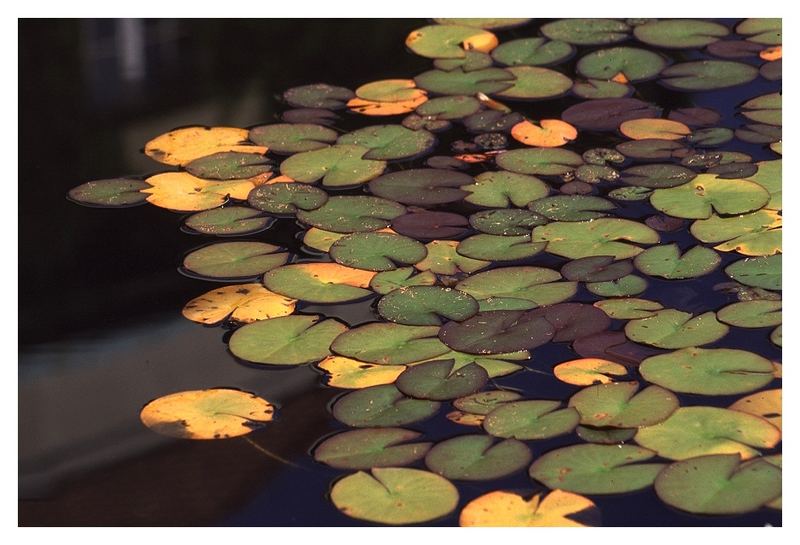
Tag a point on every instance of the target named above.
point(470, 262)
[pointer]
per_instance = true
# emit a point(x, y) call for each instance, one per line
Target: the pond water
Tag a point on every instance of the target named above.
point(101, 330)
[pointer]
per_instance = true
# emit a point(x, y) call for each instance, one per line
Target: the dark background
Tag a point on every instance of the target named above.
point(100, 327)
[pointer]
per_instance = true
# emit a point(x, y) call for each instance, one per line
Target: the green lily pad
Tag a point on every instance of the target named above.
point(506, 221)
point(494, 364)
point(718, 485)
point(527, 420)
point(706, 193)
point(393, 495)
point(764, 109)
point(752, 314)
point(388, 142)
point(650, 149)
point(459, 82)
point(666, 261)
point(698, 431)
point(572, 207)
point(116, 192)
point(377, 251)
point(390, 344)
point(318, 95)
point(608, 114)
point(717, 371)
point(320, 240)
point(711, 137)
point(388, 90)
point(455, 107)
point(596, 89)
point(338, 165)
point(365, 449)
point(673, 329)
point(289, 340)
point(758, 272)
point(289, 138)
point(477, 458)
point(601, 268)
point(404, 277)
point(596, 469)
point(382, 406)
point(492, 121)
point(635, 64)
point(769, 176)
point(777, 336)
point(630, 193)
point(443, 259)
point(485, 402)
point(444, 41)
point(286, 198)
point(229, 165)
point(548, 161)
point(423, 305)
point(772, 71)
point(766, 31)
point(473, 60)
point(502, 189)
point(707, 75)
point(319, 282)
point(629, 308)
point(483, 22)
point(587, 31)
point(754, 234)
point(538, 286)
point(499, 248)
point(227, 260)
point(680, 33)
point(421, 186)
point(622, 287)
point(228, 221)
point(618, 405)
point(604, 236)
point(535, 83)
point(594, 174)
point(439, 380)
point(759, 133)
point(532, 52)
point(604, 436)
point(657, 176)
point(346, 214)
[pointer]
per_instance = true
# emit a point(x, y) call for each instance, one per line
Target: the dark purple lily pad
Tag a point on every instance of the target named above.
point(421, 186)
point(600, 268)
point(695, 117)
point(657, 176)
point(609, 113)
point(614, 346)
point(425, 225)
point(440, 380)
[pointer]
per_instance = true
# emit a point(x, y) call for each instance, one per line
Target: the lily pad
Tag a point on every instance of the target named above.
point(353, 374)
point(675, 329)
point(537, 285)
point(706, 193)
point(390, 344)
point(596, 89)
point(377, 251)
point(618, 405)
point(572, 207)
point(494, 364)
point(449, 41)
point(767, 404)
point(318, 95)
point(596, 469)
point(718, 371)
point(244, 303)
point(477, 458)
point(499, 248)
point(421, 186)
point(314, 116)
point(379, 108)
point(758, 272)
point(425, 225)
point(483, 403)
point(393, 495)
point(352, 214)
point(535, 83)
point(600, 237)
point(527, 420)
point(491, 121)
point(506, 509)
point(629, 308)
point(502, 189)
point(532, 52)
point(459, 82)
point(548, 161)
point(182, 192)
point(698, 431)
point(680, 33)
point(752, 314)
point(484, 22)
point(290, 340)
point(666, 261)
point(651, 149)
point(657, 176)
point(389, 90)
point(228, 260)
point(621, 287)
point(439, 380)
point(718, 485)
point(182, 146)
point(608, 114)
point(289, 138)
point(587, 31)
point(404, 277)
point(766, 31)
point(337, 166)
point(423, 305)
point(286, 198)
point(769, 177)
point(443, 259)
point(601, 268)
point(473, 60)
point(707, 75)
point(454, 107)
point(506, 221)
point(116, 193)
point(365, 449)
point(389, 142)
point(216, 413)
point(228, 221)
point(650, 128)
point(588, 371)
point(605, 436)
point(319, 282)
point(382, 406)
point(633, 63)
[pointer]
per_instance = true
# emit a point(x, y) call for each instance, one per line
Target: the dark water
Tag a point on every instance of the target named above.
point(101, 332)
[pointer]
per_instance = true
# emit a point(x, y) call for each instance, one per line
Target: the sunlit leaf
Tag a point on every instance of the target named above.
point(378, 108)
point(387, 142)
point(389, 90)
point(766, 404)
point(227, 260)
point(286, 198)
point(390, 344)
point(588, 371)
point(318, 95)
point(506, 509)
point(459, 82)
point(319, 282)
point(538, 285)
point(752, 314)
point(662, 129)
point(628, 308)
point(527, 420)
point(666, 261)
point(244, 303)
point(449, 41)
point(547, 133)
point(754, 234)
point(182, 146)
point(706, 193)
point(535, 83)
point(572, 207)
point(546, 161)
point(619, 405)
point(183, 192)
point(338, 165)
point(352, 214)
point(453, 107)
point(758, 272)
point(365, 449)
point(499, 248)
point(587, 31)
point(761, 30)
point(635, 64)
point(404, 277)
point(506, 221)
point(444, 259)
point(477, 458)
point(377, 251)
point(622, 287)
point(604, 237)
point(287, 138)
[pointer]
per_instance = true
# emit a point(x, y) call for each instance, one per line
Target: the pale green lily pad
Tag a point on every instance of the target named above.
point(346, 214)
point(424, 305)
point(766, 31)
point(454, 107)
point(769, 176)
point(485, 402)
point(752, 314)
point(777, 336)
point(502, 189)
point(717, 371)
point(286, 198)
point(403, 277)
point(572, 207)
point(381, 406)
point(622, 287)
point(228, 221)
point(758, 272)
point(706, 193)
point(527, 420)
point(666, 261)
point(499, 248)
point(506, 221)
point(477, 458)
point(587, 31)
point(707, 75)
point(377, 251)
point(227, 260)
point(754, 234)
point(473, 60)
point(289, 138)
point(538, 286)
point(673, 329)
point(596, 89)
point(116, 192)
point(547, 161)
point(535, 83)
point(337, 166)
point(635, 64)
point(680, 33)
point(443, 41)
point(618, 405)
point(629, 308)
point(389, 142)
point(604, 236)
point(440, 380)
point(444, 259)
point(289, 340)
point(532, 52)
point(365, 449)
point(459, 82)
point(319, 282)
point(390, 344)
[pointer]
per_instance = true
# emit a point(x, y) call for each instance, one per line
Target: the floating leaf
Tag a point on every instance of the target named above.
point(601, 268)
point(477, 458)
point(318, 95)
point(227, 260)
point(507, 222)
point(596, 469)
point(352, 214)
point(766, 404)
point(395, 496)
point(777, 336)
point(483, 403)
point(752, 314)
point(244, 303)
point(449, 41)
point(228, 221)
point(605, 436)
point(494, 364)
point(353, 374)
point(612, 345)
point(535, 83)
point(587, 31)
point(758, 272)
point(657, 176)
point(116, 192)
point(365, 449)
point(465, 419)
point(538, 285)
point(769, 177)
point(290, 340)
point(338, 165)
point(491, 121)
point(666, 261)
point(386, 142)
point(443, 259)
point(718, 485)
point(718, 371)
point(571, 207)
point(527, 420)
point(182, 146)
point(698, 431)
point(547, 133)
point(532, 52)
point(439, 380)
point(319, 282)
point(388, 281)
point(286, 198)
point(382, 406)
point(473, 60)
point(608, 114)
point(706, 193)
point(618, 405)
point(622, 287)
point(390, 344)
point(633, 63)
point(486, 22)
point(761, 30)
point(539, 161)
point(596, 89)
point(661, 129)
point(602, 237)
point(421, 186)
point(650, 149)
point(707, 75)
point(389, 90)
point(628, 308)
point(587, 371)
point(287, 138)
point(216, 413)
point(314, 116)
point(183, 192)
point(423, 305)
point(378, 108)
point(680, 33)
point(506, 509)
point(425, 225)
point(454, 107)
point(501, 189)
point(675, 329)
point(459, 82)
point(377, 251)
point(499, 248)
